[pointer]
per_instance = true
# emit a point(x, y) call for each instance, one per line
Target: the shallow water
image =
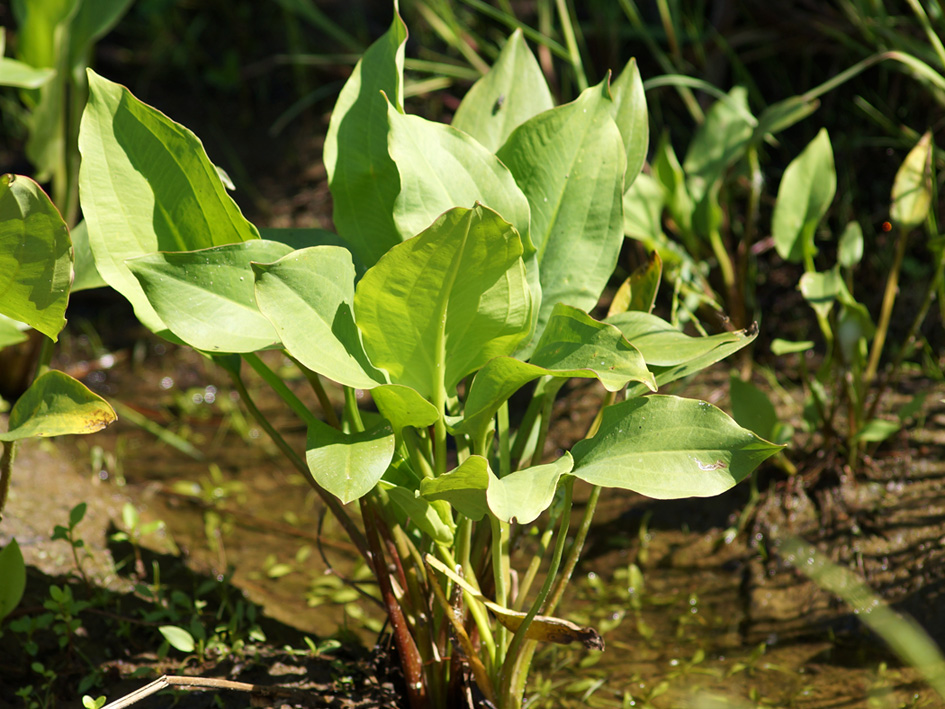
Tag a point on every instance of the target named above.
point(713, 624)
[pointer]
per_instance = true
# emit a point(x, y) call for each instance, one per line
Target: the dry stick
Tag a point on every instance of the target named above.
point(166, 681)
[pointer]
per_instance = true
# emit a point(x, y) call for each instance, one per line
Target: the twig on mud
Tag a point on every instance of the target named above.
point(166, 681)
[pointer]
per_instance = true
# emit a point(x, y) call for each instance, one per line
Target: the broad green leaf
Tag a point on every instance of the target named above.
point(147, 185)
point(35, 257)
point(13, 573)
point(420, 512)
point(570, 163)
point(663, 345)
point(572, 345)
point(632, 119)
point(86, 274)
point(442, 304)
point(348, 465)
point(912, 188)
point(513, 91)
point(804, 195)
point(643, 210)
point(21, 75)
point(178, 638)
point(36, 29)
point(850, 248)
point(361, 175)
point(57, 405)
point(403, 406)
point(12, 332)
point(207, 297)
point(440, 168)
point(309, 297)
point(658, 341)
point(719, 142)
point(474, 490)
point(669, 174)
point(667, 447)
point(522, 495)
point(638, 292)
point(751, 408)
point(464, 487)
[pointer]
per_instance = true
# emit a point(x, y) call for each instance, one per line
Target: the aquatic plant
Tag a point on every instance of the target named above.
point(464, 267)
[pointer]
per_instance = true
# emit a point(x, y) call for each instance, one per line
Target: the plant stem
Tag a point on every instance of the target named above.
point(515, 667)
point(574, 55)
point(315, 382)
point(500, 573)
point(410, 659)
point(6, 470)
point(332, 502)
point(505, 458)
point(574, 552)
point(279, 387)
point(889, 299)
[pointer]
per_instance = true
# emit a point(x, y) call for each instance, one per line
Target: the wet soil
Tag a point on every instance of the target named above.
point(719, 614)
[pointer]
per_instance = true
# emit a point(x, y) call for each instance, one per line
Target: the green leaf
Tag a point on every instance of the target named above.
point(638, 292)
point(21, 75)
point(420, 512)
point(720, 141)
point(464, 487)
point(522, 495)
point(663, 345)
point(86, 274)
point(783, 347)
point(669, 174)
point(12, 332)
point(93, 19)
point(403, 406)
point(474, 490)
point(441, 167)
point(308, 296)
point(876, 430)
point(660, 342)
point(570, 163)
point(178, 638)
point(35, 257)
point(912, 188)
point(822, 289)
point(573, 345)
point(804, 195)
point(643, 210)
point(147, 185)
point(57, 405)
point(511, 93)
point(13, 573)
point(348, 465)
point(632, 119)
point(751, 408)
point(440, 305)
point(361, 175)
point(850, 248)
point(207, 297)
point(666, 447)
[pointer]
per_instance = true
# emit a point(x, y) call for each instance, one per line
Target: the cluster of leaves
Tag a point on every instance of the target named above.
point(466, 259)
